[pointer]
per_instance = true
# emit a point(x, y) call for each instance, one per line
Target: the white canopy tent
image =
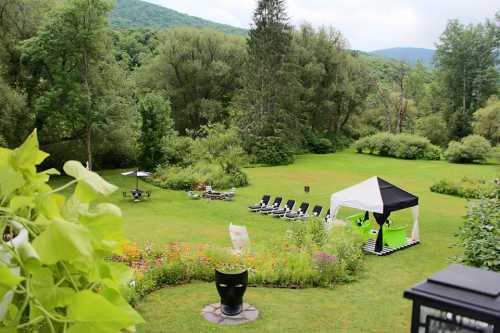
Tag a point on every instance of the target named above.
point(379, 197)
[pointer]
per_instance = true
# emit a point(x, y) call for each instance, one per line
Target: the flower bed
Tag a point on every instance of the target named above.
point(297, 262)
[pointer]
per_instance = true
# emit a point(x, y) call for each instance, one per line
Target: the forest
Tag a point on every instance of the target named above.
point(178, 96)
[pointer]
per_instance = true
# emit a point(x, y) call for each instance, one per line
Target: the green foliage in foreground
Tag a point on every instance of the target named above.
point(480, 234)
point(468, 188)
point(471, 149)
point(53, 274)
point(405, 146)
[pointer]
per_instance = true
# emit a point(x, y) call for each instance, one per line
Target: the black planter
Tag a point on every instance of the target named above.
point(231, 288)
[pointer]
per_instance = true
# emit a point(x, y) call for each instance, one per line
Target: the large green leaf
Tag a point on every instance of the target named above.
point(28, 155)
point(10, 180)
point(94, 313)
point(105, 223)
point(90, 184)
point(8, 280)
point(63, 241)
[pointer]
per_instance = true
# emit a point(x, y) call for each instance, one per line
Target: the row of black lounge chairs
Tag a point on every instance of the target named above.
point(286, 212)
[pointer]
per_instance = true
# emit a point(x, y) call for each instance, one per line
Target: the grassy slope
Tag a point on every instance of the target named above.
point(373, 304)
point(129, 14)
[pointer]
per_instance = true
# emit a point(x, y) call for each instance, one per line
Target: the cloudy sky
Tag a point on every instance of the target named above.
point(367, 24)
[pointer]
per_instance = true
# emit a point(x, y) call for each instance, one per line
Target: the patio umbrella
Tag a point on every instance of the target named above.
point(137, 174)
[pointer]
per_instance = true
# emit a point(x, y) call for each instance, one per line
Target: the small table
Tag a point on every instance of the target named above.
point(137, 194)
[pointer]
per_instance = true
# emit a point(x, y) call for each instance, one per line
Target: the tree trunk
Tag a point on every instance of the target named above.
point(88, 128)
point(463, 95)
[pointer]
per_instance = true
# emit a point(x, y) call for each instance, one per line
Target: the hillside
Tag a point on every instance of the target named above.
point(139, 14)
point(409, 54)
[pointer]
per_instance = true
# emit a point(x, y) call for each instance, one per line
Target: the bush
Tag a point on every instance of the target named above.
point(480, 234)
point(473, 148)
point(177, 150)
point(404, 146)
point(321, 145)
point(271, 150)
point(186, 178)
point(467, 188)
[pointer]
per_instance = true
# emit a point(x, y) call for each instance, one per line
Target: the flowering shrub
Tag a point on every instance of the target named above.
point(468, 188)
point(288, 264)
point(479, 237)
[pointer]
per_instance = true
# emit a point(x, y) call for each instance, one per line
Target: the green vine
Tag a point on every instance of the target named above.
point(53, 273)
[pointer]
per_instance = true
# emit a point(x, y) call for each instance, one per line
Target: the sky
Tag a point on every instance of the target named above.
point(367, 24)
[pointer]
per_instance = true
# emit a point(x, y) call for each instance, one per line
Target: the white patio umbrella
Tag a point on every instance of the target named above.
point(137, 174)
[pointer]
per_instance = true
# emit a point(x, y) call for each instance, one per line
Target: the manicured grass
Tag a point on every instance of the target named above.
point(372, 304)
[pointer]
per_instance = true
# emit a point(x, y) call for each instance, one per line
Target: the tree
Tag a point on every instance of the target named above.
point(487, 120)
point(332, 81)
point(19, 21)
point(68, 65)
point(156, 125)
point(14, 121)
point(264, 106)
point(200, 70)
point(433, 127)
point(466, 61)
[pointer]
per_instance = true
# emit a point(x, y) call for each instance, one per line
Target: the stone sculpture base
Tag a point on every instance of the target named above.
point(212, 313)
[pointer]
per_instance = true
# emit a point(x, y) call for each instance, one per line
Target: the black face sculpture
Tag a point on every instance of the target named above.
point(231, 287)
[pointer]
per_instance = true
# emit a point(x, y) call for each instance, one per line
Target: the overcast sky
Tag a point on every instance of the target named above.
point(367, 24)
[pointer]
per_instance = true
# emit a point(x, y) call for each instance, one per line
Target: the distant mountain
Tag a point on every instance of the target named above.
point(409, 54)
point(129, 14)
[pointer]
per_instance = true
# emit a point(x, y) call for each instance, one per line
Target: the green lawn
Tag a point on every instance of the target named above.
point(372, 304)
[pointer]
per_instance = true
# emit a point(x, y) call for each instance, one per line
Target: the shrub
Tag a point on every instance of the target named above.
point(473, 148)
point(321, 145)
point(467, 188)
point(271, 150)
point(479, 236)
point(177, 150)
point(185, 178)
point(404, 146)
point(214, 158)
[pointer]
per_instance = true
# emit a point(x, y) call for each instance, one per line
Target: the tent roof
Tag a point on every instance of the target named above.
point(374, 195)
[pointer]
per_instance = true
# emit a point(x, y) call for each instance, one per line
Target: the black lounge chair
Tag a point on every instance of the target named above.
point(263, 203)
point(300, 213)
point(270, 208)
point(282, 211)
point(327, 216)
point(316, 211)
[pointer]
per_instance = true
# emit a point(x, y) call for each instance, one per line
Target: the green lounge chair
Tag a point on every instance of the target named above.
point(360, 227)
point(394, 237)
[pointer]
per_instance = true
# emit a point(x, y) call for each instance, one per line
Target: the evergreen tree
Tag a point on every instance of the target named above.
point(268, 82)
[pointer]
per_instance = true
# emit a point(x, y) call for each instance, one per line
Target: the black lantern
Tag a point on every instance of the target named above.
point(457, 299)
point(231, 288)
point(307, 188)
